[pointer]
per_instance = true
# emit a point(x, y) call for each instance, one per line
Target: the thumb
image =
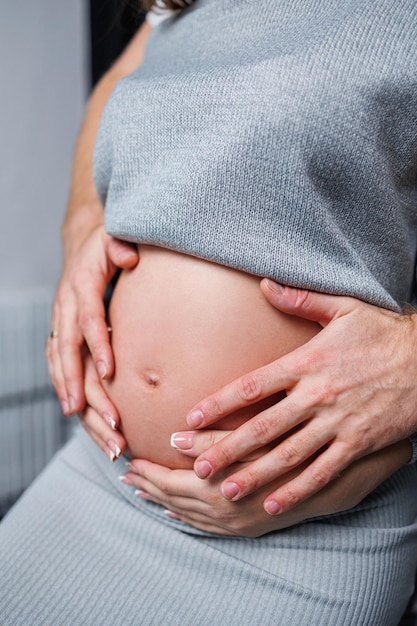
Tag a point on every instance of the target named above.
point(196, 442)
point(311, 305)
point(121, 253)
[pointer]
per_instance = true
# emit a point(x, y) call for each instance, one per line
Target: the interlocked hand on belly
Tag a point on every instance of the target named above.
point(351, 390)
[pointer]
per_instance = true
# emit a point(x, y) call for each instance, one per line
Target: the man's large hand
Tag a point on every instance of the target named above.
point(351, 390)
point(78, 315)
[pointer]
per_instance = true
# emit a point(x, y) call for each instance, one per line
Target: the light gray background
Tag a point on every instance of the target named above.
point(43, 86)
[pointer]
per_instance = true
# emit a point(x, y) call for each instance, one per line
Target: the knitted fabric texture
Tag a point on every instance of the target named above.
point(277, 137)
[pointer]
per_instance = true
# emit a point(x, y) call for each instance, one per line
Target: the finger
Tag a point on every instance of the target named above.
point(195, 442)
point(244, 391)
point(317, 475)
point(55, 370)
point(97, 397)
point(286, 456)
point(203, 523)
point(177, 482)
point(122, 253)
point(260, 430)
point(147, 490)
point(311, 305)
point(69, 343)
point(95, 329)
point(111, 442)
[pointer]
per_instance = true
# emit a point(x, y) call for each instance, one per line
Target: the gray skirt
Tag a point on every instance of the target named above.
point(80, 548)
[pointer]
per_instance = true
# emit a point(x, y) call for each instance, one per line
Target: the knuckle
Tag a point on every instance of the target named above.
point(302, 299)
point(321, 476)
point(290, 454)
point(250, 388)
point(86, 321)
point(292, 497)
point(322, 394)
point(225, 455)
point(252, 480)
point(261, 429)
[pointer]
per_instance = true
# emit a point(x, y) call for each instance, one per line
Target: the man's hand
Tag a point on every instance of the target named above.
point(351, 390)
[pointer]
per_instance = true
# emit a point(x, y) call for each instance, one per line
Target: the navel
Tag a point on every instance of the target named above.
point(152, 378)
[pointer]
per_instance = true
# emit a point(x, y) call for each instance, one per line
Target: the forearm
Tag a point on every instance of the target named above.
point(84, 211)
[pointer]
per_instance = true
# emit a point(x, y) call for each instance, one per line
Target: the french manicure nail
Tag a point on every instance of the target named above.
point(111, 422)
point(230, 490)
point(182, 441)
point(203, 469)
point(115, 450)
point(142, 494)
point(171, 514)
point(195, 418)
point(101, 368)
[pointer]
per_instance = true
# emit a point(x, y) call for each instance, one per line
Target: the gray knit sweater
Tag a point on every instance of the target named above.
point(275, 136)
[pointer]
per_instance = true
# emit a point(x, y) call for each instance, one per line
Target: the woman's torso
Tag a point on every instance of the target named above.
point(182, 328)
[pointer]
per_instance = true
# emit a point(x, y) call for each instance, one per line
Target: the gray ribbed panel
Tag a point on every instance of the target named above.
point(80, 548)
point(30, 418)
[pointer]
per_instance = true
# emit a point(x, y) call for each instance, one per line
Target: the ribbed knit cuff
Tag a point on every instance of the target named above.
point(413, 440)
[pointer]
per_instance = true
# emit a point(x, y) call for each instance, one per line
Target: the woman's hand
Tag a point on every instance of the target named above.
point(201, 504)
point(351, 390)
point(78, 315)
point(100, 417)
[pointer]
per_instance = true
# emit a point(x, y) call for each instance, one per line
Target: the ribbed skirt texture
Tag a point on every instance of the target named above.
point(80, 548)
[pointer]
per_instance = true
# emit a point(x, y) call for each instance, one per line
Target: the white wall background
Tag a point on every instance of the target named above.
point(43, 55)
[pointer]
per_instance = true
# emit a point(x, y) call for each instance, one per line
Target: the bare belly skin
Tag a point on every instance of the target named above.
point(181, 329)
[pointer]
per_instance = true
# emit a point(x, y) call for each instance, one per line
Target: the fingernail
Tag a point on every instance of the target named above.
point(230, 490)
point(271, 284)
point(71, 403)
point(195, 418)
point(115, 450)
point(111, 422)
point(182, 441)
point(101, 368)
point(142, 494)
point(171, 514)
point(65, 407)
point(203, 469)
point(125, 480)
point(272, 507)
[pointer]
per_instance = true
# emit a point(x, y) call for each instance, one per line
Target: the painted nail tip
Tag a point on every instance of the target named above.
point(172, 442)
point(112, 456)
point(111, 422)
point(102, 369)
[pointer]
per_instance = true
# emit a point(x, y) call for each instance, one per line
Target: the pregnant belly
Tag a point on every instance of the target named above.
point(181, 329)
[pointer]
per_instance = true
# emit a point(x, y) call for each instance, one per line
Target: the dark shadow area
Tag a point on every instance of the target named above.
point(112, 24)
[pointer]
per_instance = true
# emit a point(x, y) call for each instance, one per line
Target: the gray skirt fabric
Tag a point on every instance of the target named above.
point(80, 548)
